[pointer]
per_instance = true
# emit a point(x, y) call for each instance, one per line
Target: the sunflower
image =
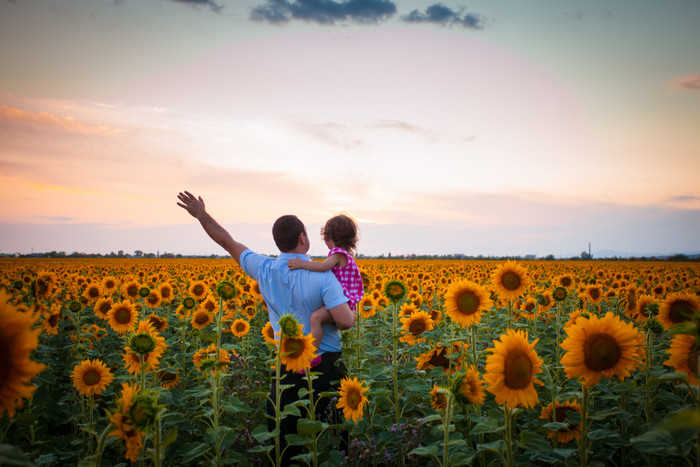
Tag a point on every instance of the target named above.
point(268, 333)
point(414, 325)
point(206, 358)
point(438, 401)
point(145, 348)
point(407, 309)
point(352, 398)
point(51, 319)
point(678, 307)
point(226, 290)
point(439, 356)
point(510, 280)
point(109, 284)
point(467, 387)
point(199, 289)
point(201, 319)
point(166, 291)
point(646, 305)
point(131, 289)
point(465, 301)
point(168, 379)
point(153, 299)
point(597, 347)
point(297, 352)
point(17, 341)
point(209, 304)
point(160, 324)
point(240, 327)
point(91, 377)
point(511, 370)
point(684, 356)
point(566, 434)
point(102, 307)
point(395, 290)
point(123, 316)
point(560, 293)
point(593, 294)
point(565, 280)
point(92, 293)
point(125, 427)
point(367, 306)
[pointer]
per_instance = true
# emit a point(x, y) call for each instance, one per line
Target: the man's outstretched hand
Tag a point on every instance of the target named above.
point(194, 206)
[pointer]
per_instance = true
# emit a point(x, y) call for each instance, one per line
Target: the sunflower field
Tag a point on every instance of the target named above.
point(169, 362)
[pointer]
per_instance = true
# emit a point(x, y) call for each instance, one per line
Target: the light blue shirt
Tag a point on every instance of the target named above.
point(299, 292)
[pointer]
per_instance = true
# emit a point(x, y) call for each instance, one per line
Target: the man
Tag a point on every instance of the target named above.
point(297, 292)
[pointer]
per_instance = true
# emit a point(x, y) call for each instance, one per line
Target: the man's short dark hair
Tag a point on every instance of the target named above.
point(286, 231)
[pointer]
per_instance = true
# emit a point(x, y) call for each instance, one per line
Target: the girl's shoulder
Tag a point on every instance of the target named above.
point(337, 249)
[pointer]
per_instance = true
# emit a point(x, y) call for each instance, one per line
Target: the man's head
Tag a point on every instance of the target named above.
point(286, 232)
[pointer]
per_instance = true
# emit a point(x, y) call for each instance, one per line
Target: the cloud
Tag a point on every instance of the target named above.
point(440, 14)
point(10, 115)
point(326, 12)
point(431, 135)
point(685, 83)
point(214, 6)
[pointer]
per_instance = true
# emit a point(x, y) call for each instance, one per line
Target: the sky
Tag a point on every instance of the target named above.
point(491, 127)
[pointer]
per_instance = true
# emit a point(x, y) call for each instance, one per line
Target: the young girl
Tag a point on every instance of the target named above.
point(340, 235)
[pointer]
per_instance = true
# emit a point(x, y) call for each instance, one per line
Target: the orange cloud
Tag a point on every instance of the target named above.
point(685, 83)
point(45, 119)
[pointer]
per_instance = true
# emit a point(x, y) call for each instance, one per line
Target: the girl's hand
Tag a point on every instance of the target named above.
point(295, 263)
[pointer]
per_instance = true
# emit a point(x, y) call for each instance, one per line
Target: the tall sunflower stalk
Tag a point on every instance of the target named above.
point(446, 421)
point(394, 363)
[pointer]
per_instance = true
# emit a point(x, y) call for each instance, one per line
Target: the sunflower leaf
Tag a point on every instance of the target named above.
point(308, 427)
point(298, 440)
point(532, 441)
point(425, 451)
point(496, 446)
point(490, 426)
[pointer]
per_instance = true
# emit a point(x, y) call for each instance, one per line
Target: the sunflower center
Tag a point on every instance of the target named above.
point(439, 359)
point(53, 320)
point(601, 352)
point(165, 292)
point(594, 293)
point(417, 327)
point(91, 377)
point(122, 316)
point(468, 303)
point(152, 299)
point(518, 370)
point(93, 292)
point(395, 290)
point(132, 290)
point(560, 294)
point(294, 348)
point(201, 318)
point(560, 415)
point(566, 281)
point(680, 311)
point(198, 290)
point(240, 327)
point(511, 280)
point(353, 399)
point(5, 361)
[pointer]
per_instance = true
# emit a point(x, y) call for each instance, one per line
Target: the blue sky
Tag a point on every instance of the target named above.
point(494, 127)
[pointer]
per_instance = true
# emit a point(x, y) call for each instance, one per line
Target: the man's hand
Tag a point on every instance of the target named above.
point(191, 204)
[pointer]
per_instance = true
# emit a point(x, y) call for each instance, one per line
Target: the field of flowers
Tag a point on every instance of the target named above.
point(111, 362)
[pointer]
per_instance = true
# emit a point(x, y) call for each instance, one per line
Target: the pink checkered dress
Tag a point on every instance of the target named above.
point(350, 278)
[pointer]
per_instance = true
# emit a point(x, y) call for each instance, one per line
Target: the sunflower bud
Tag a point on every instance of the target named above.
point(226, 290)
point(289, 326)
point(395, 290)
point(143, 411)
point(75, 306)
point(142, 343)
point(560, 293)
point(144, 292)
point(189, 302)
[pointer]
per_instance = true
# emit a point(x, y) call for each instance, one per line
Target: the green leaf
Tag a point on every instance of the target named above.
point(594, 435)
point(193, 451)
point(308, 427)
point(496, 446)
point(261, 434)
point(234, 405)
point(291, 409)
point(169, 438)
point(683, 420)
point(11, 455)
point(490, 426)
point(425, 451)
point(654, 442)
point(531, 441)
point(298, 440)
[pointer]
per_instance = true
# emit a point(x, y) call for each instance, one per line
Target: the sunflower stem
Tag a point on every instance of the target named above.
point(508, 435)
point(583, 445)
point(447, 420)
point(311, 412)
point(475, 353)
point(101, 445)
point(394, 364)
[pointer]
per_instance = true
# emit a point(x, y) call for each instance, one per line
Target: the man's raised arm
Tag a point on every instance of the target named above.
point(195, 206)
